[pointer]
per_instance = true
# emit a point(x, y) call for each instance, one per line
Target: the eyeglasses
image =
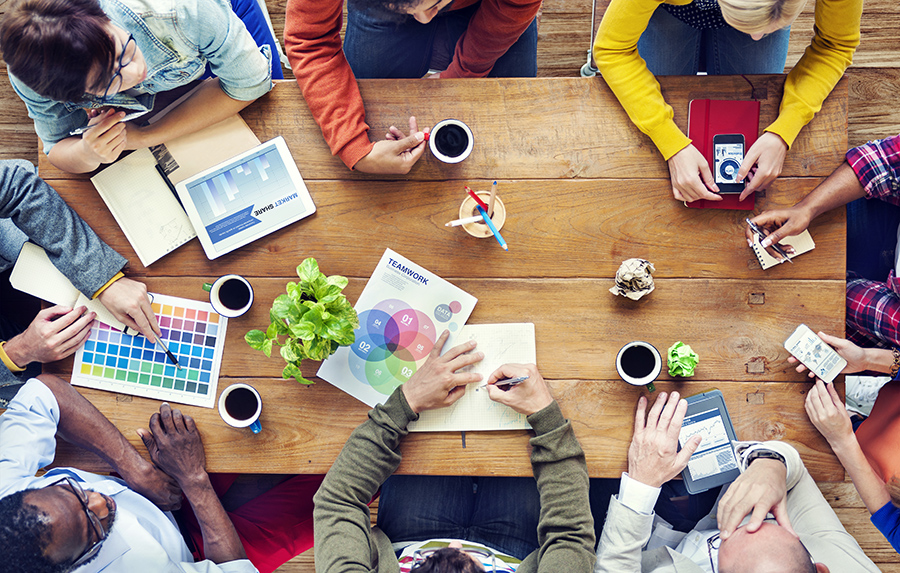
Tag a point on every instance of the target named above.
point(125, 58)
point(715, 541)
point(482, 555)
point(98, 528)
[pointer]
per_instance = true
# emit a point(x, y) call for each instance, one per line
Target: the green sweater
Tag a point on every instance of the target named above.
point(346, 542)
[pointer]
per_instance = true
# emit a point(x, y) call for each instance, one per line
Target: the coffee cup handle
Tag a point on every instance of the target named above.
point(256, 427)
point(207, 287)
point(651, 387)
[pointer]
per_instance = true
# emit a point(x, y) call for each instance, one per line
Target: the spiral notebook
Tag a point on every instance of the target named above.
point(802, 243)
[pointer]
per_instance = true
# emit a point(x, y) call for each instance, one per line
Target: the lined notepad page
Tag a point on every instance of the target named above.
point(501, 343)
point(147, 211)
point(802, 243)
point(36, 275)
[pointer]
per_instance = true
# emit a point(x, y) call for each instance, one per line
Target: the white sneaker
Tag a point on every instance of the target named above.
point(861, 392)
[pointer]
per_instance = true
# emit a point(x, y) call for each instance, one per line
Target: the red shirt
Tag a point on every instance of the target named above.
point(312, 37)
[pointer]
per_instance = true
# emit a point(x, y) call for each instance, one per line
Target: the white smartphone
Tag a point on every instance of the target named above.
point(821, 359)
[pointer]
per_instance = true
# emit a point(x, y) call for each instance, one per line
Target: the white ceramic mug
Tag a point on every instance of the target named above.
point(455, 144)
point(233, 301)
point(639, 364)
point(238, 409)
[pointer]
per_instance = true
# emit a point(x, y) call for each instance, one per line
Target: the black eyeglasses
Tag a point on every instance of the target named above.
point(98, 528)
point(715, 541)
point(125, 58)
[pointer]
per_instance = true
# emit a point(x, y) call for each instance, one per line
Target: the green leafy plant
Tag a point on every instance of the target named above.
point(314, 317)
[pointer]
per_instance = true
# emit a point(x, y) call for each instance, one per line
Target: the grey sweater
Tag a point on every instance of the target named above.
point(346, 542)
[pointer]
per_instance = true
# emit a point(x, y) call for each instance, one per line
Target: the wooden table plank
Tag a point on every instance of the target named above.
point(555, 228)
point(545, 128)
point(580, 326)
point(304, 429)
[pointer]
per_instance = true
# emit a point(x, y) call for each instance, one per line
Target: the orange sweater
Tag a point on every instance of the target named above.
point(312, 37)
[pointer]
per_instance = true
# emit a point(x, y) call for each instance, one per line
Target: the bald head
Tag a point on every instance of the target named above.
point(771, 549)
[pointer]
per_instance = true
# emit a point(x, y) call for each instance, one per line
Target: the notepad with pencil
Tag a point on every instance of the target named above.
point(801, 243)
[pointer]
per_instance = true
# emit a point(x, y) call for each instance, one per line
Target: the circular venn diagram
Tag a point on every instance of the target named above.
point(392, 341)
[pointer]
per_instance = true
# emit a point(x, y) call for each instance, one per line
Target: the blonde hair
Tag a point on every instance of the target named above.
point(756, 16)
point(893, 487)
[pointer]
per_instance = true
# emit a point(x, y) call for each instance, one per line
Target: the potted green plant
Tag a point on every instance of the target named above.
point(314, 317)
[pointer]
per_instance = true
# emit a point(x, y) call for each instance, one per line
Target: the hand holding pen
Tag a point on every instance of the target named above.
point(525, 396)
point(767, 241)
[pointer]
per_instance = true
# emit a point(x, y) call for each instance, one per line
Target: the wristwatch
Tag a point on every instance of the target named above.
point(766, 455)
point(895, 367)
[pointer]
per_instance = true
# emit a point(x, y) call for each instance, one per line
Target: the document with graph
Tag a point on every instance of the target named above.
point(245, 198)
point(501, 344)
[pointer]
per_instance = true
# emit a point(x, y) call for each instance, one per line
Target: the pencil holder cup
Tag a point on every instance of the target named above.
point(451, 141)
point(480, 229)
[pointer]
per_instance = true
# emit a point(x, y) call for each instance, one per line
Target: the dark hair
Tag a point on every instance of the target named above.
point(448, 560)
point(52, 46)
point(24, 535)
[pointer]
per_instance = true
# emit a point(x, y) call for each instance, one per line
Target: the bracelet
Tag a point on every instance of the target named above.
point(895, 367)
point(766, 455)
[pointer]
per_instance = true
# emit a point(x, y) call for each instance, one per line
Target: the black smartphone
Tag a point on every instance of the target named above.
point(728, 153)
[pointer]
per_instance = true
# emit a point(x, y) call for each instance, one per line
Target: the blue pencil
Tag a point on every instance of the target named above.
point(493, 229)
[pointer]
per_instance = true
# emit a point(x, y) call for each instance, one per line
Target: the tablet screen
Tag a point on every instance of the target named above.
point(715, 454)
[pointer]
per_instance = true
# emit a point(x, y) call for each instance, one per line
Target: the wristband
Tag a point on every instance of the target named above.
point(895, 367)
point(4, 357)
point(766, 455)
point(116, 277)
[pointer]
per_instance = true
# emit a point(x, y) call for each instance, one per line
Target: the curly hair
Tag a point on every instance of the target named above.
point(448, 560)
point(24, 535)
point(52, 46)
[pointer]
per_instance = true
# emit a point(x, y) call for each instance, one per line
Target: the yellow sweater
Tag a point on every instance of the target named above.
point(806, 87)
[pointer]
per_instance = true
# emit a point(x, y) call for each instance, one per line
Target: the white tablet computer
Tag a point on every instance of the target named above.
point(245, 198)
point(714, 463)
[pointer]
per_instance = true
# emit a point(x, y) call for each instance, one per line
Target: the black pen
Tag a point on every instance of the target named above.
point(509, 382)
point(778, 249)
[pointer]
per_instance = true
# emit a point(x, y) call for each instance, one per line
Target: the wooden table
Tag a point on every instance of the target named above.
point(584, 190)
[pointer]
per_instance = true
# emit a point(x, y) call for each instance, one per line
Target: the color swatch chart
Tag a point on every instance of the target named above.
point(119, 362)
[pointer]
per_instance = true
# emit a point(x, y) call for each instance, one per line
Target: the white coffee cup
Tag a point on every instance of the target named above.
point(451, 141)
point(639, 364)
point(240, 405)
point(230, 295)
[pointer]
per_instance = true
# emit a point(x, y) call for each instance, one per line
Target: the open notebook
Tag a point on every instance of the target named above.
point(802, 243)
point(35, 274)
point(501, 343)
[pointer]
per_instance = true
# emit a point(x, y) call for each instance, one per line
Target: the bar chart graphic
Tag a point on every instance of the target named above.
point(223, 189)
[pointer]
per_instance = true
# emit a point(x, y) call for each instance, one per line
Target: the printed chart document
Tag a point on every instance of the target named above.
point(501, 343)
point(36, 275)
point(402, 311)
point(144, 206)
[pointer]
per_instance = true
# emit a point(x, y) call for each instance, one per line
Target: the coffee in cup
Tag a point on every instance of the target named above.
point(451, 141)
point(230, 295)
point(240, 406)
point(639, 364)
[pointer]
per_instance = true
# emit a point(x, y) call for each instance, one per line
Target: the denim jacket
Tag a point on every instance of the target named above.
point(178, 38)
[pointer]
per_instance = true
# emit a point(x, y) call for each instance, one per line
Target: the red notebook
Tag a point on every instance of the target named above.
point(710, 117)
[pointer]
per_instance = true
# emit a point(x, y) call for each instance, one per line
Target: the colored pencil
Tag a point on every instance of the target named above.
point(492, 199)
point(466, 221)
point(476, 197)
point(493, 229)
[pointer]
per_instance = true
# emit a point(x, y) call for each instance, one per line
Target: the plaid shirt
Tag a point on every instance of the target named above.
point(873, 308)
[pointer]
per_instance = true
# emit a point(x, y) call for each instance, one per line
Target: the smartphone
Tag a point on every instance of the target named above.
point(728, 154)
point(821, 359)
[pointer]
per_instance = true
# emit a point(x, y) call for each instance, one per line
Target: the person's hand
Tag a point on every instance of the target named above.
point(653, 456)
point(154, 484)
point(175, 446)
point(761, 489)
point(853, 354)
point(828, 414)
point(128, 301)
point(55, 333)
point(779, 224)
point(691, 177)
point(397, 153)
point(528, 397)
point(762, 163)
point(437, 383)
point(107, 139)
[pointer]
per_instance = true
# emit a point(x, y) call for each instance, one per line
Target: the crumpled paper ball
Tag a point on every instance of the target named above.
point(634, 279)
point(682, 360)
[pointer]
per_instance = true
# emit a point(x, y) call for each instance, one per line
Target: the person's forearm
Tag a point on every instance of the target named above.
point(80, 423)
point(870, 486)
point(840, 188)
point(221, 543)
point(879, 360)
point(206, 106)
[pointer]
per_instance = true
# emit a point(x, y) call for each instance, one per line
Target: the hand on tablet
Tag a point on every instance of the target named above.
point(653, 456)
